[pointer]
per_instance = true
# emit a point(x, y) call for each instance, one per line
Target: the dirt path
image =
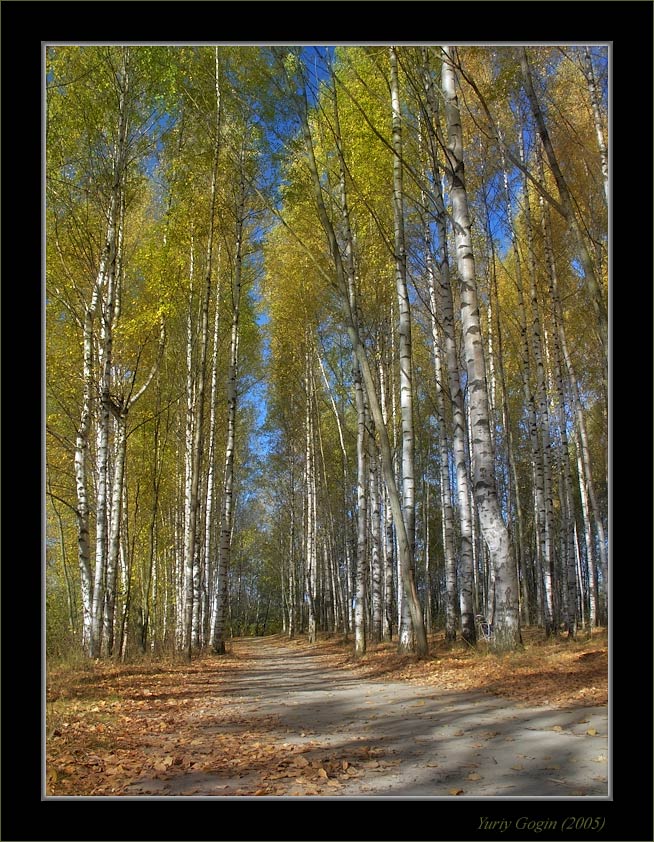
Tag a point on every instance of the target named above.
point(340, 735)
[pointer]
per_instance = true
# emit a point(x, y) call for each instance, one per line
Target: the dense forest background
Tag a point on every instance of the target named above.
point(326, 344)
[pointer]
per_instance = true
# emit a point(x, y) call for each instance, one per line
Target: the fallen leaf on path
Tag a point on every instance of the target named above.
point(322, 773)
point(557, 728)
point(601, 758)
point(592, 732)
point(455, 791)
point(518, 767)
point(473, 776)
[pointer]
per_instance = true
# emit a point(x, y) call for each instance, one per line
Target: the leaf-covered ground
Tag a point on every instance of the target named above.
point(557, 672)
point(142, 728)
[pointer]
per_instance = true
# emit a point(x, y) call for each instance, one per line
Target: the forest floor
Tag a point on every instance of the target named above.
point(275, 717)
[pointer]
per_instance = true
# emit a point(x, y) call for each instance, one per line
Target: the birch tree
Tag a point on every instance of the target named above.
point(226, 523)
point(506, 615)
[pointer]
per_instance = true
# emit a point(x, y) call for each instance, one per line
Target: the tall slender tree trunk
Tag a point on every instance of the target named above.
point(589, 73)
point(311, 526)
point(525, 371)
point(191, 549)
point(565, 478)
point(362, 431)
point(224, 553)
point(388, 537)
point(207, 592)
point(506, 615)
point(451, 583)
point(429, 576)
point(444, 305)
point(82, 444)
point(116, 511)
point(581, 580)
point(404, 331)
point(375, 558)
point(513, 497)
point(189, 426)
point(290, 555)
point(404, 546)
point(107, 284)
point(149, 583)
point(362, 515)
point(543, 472)
point(588, 539)
point(337, 588)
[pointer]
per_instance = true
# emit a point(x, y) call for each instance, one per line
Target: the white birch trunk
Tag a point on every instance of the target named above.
point(581, 582)
point(310, 540)
point(506, 615)
point(543, 474)
point(375, 547)
point(408, 582)
point(211, 467)
point(589, 73)
point(451, 583)
point(81, 480)
point(116, 512)
point(186, 568)
point(362, 515)
point(388, 537)
point(565, 479)
point(404, 333)
point(588, 540)
point(444, 305)
point(191, 549)
point(107, 283)
point(536, 459)
point(224, 553)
